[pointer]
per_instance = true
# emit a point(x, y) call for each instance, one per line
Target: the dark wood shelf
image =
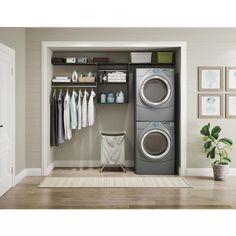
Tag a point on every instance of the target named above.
point(109, 83)
point(75, 64)
point(113, 63)
point(91, 64)
point(74, 85)
point(150, 64)
point(112, 103)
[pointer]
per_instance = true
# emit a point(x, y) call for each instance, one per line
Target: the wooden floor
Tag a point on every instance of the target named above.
point(205, 194)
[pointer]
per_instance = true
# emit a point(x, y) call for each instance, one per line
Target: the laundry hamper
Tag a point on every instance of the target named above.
point(113, 150)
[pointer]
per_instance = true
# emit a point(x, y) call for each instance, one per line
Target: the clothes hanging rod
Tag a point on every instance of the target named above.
point(74, 86)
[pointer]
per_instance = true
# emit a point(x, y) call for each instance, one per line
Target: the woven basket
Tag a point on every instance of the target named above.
point(86, 79)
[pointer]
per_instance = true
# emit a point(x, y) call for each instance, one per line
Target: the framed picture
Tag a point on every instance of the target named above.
point(210, 105)
point(230, 106)
point(210, 79)
point(231, 79)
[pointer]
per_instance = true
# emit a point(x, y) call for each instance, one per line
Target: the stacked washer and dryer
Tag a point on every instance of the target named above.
point(154, 121)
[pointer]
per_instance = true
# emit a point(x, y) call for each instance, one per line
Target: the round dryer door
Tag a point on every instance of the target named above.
point(155, 91)
point(155, 144)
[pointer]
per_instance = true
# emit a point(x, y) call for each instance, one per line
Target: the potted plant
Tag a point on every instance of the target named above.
point(217, 148)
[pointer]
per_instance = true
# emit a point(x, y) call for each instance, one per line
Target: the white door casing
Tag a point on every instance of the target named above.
point(7, 118)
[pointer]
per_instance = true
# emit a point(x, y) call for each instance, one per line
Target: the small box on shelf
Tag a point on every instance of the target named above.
point(87, 79)
point(141, 57)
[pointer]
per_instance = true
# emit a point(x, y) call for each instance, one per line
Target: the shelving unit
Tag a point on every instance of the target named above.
point(101, 87)
point(113, 87)
point(118, 63)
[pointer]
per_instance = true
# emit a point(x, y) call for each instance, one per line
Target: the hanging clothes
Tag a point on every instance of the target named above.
point(91, 109)
point(68, 132)
point(84, 110)
point(73, 110)
point(60, 112)
point(53, 120)
point(79, 108)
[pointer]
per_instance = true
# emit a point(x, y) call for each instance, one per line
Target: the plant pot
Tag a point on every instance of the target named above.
point(220, 172)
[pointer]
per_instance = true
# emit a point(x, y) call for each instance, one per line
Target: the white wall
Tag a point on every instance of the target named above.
point(15, 38)
point(205, 47)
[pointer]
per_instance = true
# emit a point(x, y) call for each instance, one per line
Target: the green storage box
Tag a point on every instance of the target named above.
point(165, 57)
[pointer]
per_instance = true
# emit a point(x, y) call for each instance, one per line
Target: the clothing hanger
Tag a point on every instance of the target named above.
point(54, 93)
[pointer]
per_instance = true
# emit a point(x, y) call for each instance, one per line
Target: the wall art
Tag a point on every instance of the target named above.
point(230, 105)
point(231, 79)
point(210, 79)
point(210, 105)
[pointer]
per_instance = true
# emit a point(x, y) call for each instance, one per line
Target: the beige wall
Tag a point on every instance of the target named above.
point(15, 38)
point(205, 47)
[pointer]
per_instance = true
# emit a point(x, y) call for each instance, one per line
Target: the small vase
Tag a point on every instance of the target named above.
point(74, 77)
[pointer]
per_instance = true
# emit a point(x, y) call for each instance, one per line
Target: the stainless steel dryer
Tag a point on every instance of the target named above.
point(155, 94)
point(155, 148)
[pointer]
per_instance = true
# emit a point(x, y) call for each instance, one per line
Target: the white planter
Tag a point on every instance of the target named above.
point(220, 172)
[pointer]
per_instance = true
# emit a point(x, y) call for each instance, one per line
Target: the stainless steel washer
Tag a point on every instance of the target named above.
point(155, 148)
point(155, 94)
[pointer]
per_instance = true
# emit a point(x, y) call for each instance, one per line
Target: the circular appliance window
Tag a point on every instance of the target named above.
point(155, 144)
point(155, 91)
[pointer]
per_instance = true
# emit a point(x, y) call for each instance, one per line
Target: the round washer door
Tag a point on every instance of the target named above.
point(155, 91)
point(155, 144)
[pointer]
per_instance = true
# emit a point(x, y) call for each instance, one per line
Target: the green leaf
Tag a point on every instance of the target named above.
point(224, 163)
point(215, 132)
point(205, 138)
point(226, 141)
point(224, 153)
point(205, 130)
point(207, 144)
point(228, 148)
point(227, 159)
point(211, 153)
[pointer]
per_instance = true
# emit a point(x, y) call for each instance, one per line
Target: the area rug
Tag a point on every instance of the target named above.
point(115, 182)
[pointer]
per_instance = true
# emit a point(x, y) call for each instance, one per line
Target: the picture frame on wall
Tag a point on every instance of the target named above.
point(210, 79)
point(231, 79)
point(210, 105)
point(230, 111)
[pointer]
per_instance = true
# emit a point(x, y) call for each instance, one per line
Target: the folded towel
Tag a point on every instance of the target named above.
point(61, 80)
point(61, 77)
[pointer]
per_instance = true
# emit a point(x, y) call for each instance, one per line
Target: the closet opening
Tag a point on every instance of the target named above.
point(78, 153)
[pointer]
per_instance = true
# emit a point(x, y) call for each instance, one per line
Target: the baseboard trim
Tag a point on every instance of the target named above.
point(20, 176)
point(92, 163)
point(33, 172)
point(50, 168)
point(206, 172)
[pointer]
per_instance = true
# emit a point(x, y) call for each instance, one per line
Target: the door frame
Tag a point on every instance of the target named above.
point(11, 52)
point(46, 52)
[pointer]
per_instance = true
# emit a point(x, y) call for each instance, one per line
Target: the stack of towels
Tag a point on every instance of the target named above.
point(61, 79)
point(117, 76)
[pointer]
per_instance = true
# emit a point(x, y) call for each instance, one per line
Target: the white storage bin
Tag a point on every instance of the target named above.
point(141, 57)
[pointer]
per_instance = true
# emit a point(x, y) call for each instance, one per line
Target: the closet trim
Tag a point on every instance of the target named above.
point(47, 48)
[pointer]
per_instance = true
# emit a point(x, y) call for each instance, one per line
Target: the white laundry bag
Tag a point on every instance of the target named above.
point(112, 149)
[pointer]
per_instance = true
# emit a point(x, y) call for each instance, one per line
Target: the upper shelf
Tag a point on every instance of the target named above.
point(112, 64)
point(89, 64)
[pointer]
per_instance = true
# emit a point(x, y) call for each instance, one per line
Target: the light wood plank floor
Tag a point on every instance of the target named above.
point(205, 194)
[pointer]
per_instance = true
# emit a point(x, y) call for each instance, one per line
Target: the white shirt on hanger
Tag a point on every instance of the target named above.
point(91, 109)
point(67, 126)
point(73, 110)
point(79, 107)
point(84, 110)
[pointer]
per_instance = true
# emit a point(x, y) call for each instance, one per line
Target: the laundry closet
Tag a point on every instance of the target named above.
point(93, 71)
